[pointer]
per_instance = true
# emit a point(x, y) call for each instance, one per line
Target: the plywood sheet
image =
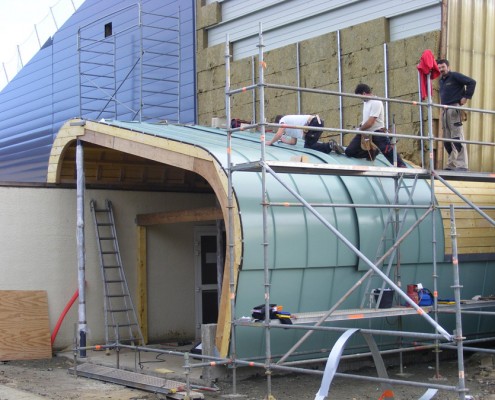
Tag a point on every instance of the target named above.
point(24, 325)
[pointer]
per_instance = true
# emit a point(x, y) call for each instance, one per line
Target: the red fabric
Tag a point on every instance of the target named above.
point(427, 64)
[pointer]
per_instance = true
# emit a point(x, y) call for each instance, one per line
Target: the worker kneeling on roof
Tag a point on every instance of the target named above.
point(289, 135)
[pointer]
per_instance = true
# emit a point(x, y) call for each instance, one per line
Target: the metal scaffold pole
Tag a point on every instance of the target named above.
point(458, 317)
point(81, 256)
point(230, 206)
point(261, 91)
point(433, 223)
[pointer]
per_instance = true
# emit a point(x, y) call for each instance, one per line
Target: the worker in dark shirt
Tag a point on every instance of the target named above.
point(455, 90)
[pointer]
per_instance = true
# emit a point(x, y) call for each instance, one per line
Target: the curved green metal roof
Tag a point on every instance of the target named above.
point(296, 238)
point(310, 268)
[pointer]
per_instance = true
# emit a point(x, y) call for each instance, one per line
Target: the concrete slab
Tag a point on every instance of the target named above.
point(8, 393)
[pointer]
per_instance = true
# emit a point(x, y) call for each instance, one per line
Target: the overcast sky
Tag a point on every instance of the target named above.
point(17, 19)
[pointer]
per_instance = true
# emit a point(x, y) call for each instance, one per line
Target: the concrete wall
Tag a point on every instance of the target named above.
point(362, 60)
point(38, 252)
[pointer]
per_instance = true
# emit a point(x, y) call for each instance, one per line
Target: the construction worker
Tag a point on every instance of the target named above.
point(291, 135)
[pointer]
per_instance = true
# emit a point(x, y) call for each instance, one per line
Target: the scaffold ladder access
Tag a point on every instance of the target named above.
point(120, 317)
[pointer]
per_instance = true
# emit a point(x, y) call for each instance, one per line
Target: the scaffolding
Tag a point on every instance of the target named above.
point(314, 321)
point(310, 322)
point(106, 77)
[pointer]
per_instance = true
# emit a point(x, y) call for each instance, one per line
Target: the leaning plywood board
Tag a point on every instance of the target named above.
point(24, 325)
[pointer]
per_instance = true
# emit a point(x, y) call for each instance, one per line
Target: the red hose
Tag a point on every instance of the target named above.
point(64, 313)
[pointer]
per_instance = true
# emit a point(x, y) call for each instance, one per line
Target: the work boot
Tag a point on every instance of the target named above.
point(336, 147)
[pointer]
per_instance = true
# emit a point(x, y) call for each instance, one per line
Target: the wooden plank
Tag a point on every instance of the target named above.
point(172, 217)
point(475, 234)
point(142, 282)
point(24, 325)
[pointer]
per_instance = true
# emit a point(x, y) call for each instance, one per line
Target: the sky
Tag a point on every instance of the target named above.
point(17, 21)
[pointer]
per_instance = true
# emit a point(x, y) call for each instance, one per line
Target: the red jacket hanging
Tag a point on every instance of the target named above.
point(427, 64)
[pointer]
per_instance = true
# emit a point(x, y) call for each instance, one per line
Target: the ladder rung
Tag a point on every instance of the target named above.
point(109, 252)
point(117, 295)
point(119, 310)
point(114, 281)
point(104, 224)
point(121, 325)
point(107, 237)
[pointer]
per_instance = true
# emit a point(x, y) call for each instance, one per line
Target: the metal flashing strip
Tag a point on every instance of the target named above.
point(132, 379)
point(362, 170)
point(331, 169)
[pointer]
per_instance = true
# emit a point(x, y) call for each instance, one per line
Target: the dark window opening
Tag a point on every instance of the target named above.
point(108, 29)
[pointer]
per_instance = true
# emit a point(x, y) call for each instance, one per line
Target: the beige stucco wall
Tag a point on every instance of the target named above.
point(38, 252)
point(362, 60)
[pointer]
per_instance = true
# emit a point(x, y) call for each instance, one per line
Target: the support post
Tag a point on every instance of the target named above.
point(142, 300)
point(81, 256)
point(458, 318)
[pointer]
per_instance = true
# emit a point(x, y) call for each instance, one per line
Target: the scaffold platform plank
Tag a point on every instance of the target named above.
point(133, 379)
point(365, 313)
point(353, 314)
point(368, 313)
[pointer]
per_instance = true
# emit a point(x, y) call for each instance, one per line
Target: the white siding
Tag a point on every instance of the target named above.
point(415, 23)
point(291, 21)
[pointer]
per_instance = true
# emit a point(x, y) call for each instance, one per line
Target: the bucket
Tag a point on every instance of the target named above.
point(387, 297)
point(412, 292)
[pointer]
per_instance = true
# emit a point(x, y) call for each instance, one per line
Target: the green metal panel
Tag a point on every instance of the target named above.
point(317, 289)
point(310, 269)
point(296, 238)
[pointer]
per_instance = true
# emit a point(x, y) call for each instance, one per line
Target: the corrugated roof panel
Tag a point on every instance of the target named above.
point(471, 51)
point(294, 21)
point(415, 23)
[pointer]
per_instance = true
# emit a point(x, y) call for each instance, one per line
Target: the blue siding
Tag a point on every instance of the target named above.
point(45, 93)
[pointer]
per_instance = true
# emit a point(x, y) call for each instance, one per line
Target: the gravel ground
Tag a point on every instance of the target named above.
point(49, 379)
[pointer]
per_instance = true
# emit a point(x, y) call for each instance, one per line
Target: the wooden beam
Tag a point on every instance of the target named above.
point(142, 282)
point(172, 217)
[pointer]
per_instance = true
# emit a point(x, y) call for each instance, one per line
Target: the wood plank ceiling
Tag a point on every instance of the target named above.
point(108, 168)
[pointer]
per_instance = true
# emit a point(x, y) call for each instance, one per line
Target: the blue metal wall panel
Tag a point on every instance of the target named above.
point(45, 93)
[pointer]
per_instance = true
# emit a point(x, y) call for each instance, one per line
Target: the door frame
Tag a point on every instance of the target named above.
point(199, 232)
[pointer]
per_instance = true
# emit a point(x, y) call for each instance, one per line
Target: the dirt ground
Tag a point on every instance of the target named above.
point(49, 379)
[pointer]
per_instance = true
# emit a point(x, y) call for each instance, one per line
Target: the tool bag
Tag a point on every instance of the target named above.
point(425, 298)
point(258, 312)
point(314, 136)
point(367, 143)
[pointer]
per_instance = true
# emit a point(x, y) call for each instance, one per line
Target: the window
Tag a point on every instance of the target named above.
point(108, 29)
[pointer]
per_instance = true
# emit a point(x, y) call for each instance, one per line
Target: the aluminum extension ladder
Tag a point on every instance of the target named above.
point(120, 316)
